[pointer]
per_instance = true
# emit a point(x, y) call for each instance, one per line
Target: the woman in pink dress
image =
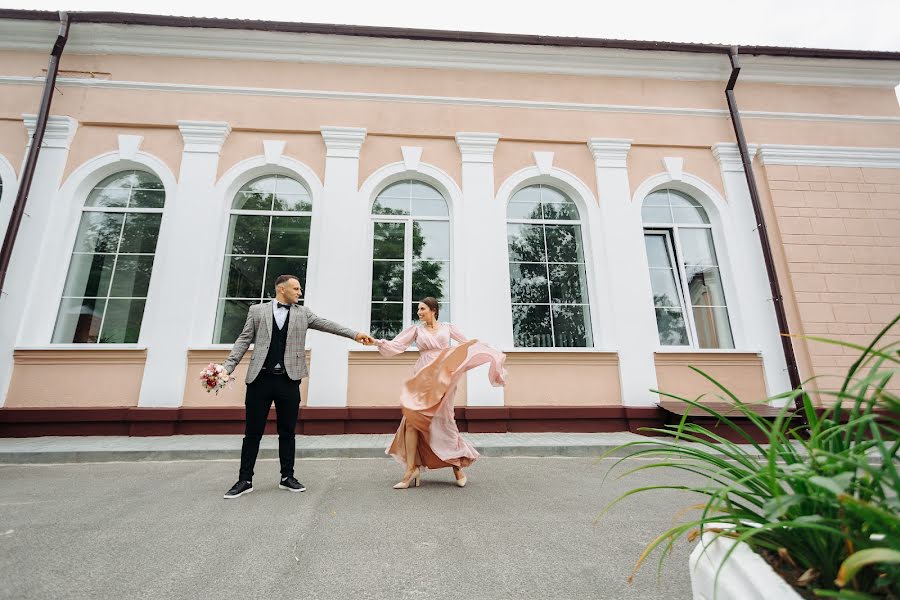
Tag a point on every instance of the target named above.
point(428, 436)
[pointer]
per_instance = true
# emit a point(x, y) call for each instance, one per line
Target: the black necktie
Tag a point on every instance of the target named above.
point(287, 306)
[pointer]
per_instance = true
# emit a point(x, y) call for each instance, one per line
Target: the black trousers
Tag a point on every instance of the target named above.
point(265, 389)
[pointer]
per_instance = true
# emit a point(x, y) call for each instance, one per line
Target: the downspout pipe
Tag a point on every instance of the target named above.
point(777, 298)
point(18, 210)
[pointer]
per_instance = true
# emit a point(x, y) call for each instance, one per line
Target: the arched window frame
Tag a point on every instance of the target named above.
point(595, 253)
point(721, 226)
point(431, 175)
point(226, 188)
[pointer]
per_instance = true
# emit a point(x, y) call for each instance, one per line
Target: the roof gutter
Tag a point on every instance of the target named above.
point(777, 299)
point(18, 210)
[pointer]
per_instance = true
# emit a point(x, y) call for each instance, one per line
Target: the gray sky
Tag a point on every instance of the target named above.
point(857, 24)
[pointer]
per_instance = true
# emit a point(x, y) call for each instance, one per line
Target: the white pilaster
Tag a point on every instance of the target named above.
point(634, 326)
point(339, 273)
point(173, 315)
point(485, 308)
point(756, 307)
point(22, 278)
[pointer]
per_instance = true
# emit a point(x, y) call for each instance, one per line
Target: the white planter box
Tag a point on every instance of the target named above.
point(745, 576)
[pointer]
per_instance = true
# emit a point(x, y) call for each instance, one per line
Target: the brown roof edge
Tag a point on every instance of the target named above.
point(439, 35)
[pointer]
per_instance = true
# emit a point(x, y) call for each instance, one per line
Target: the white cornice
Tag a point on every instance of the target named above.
point(477, 147)
point(729, 158)
point(205, 137)
point(448, 100)
point(343, 142)
point(609, 152)
point(91, 38)
point(58, 133)
point(830, 156)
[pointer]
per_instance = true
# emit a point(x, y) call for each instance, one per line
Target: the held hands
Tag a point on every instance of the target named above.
point(365, 339)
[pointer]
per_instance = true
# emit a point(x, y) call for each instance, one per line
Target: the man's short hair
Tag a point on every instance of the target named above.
point(285, 278)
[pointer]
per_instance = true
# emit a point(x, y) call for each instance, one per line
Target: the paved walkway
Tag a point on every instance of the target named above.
point(212, 447)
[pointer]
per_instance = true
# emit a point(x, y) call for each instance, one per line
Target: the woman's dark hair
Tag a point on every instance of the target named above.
point(433, 305)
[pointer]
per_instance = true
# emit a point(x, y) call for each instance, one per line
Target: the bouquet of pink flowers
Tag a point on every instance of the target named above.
point(214, 377)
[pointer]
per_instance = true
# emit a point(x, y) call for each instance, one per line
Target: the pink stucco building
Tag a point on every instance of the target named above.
point(580, 204)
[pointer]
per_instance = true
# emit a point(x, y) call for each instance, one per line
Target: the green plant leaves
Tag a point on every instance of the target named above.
point(858, 560)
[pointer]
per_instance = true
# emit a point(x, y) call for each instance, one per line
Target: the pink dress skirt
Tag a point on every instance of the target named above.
point(426, 398)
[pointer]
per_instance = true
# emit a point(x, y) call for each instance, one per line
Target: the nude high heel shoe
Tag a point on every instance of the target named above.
point(415, 477)
point(460, 482)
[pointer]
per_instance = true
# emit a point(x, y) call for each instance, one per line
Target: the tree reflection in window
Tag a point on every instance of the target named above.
point(109, 274)
point(547, 272)
point(268, 236)
point(410, 255)
point(688, 295)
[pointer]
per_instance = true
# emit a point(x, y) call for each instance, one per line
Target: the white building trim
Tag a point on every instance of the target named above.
point(8, 195)
point(362, 96)
point(63, 226)
point(239, 44)
point(830, 156)
point(592, 238)
point(724, 237)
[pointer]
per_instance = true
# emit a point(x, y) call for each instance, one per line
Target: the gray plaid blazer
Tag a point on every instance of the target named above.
point(258, 331)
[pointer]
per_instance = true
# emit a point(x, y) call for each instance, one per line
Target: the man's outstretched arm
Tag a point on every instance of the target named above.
point(318, 323)
point(241, 344)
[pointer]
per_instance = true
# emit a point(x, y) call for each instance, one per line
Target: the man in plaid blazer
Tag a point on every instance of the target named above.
point(278, 331)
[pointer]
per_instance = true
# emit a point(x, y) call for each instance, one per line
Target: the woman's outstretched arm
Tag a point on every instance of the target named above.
point(457, 335)
point(398, 344)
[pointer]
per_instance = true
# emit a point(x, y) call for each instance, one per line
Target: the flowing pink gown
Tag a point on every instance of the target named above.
point(427, 397)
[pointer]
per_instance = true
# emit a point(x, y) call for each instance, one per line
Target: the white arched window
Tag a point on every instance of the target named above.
point(410, 255)
point(268, 236)
point(548, 279)
point(109, 274)
point(688, 294)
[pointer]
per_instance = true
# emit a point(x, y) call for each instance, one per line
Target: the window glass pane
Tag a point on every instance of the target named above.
point(571, 326)
point(99, 232)
point(553, 195)
point(431, 240)
point(147, 199)
point(665, 293)
point(388, 240)
point(245, 276)
point(296, 203)
point(429, 208)
point(122, 322)
point(261, 185)
point(690, 216)
point(671, 327)
point(528, 195)
point(697, 247)
point(145, 181)
point(568, 284)
point(78, 320)
point(430, 278)
point(289, 186)
point(561, 212)
point(290, 235)
point(121, 180)
point(248, 234)
point(713, 330)
point(386, 321)
point(390, 206)
point(564, 243)
point(140, 233)
point(418, 189)
point(705, 286)
point(232, 315)
point(401, 189)
point(531, 326)
point(524, 210)
point(89, 275)
point(387, 280)
point(656, 214)
point(657, 198)
point(132, 277)
point(681, 200)
point(253, 201)
point(284, 265)
point(526, 243)
point(657, 251)
point(112, 198)
point(528, 282)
